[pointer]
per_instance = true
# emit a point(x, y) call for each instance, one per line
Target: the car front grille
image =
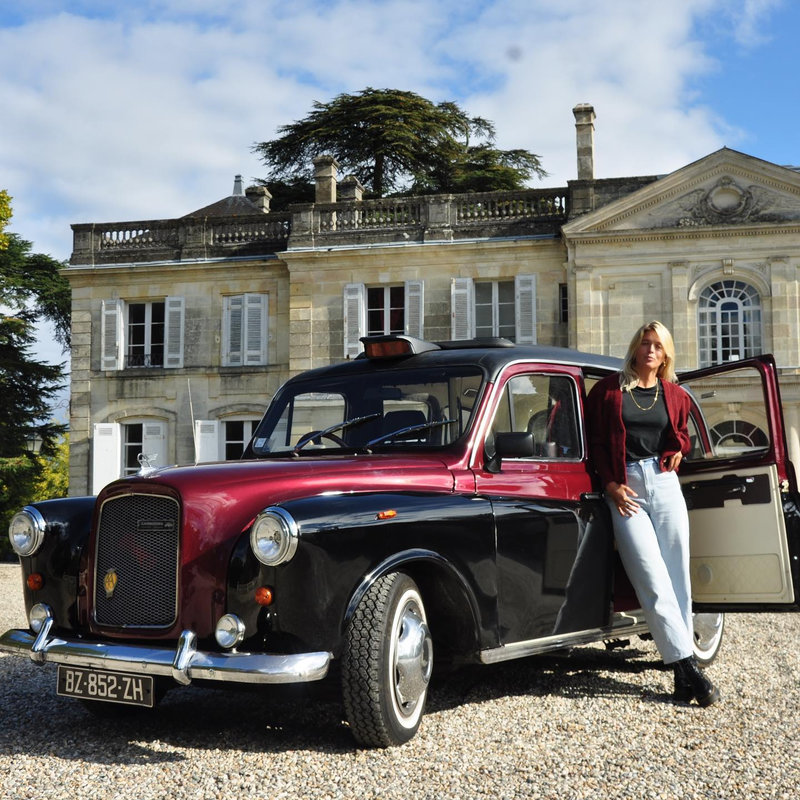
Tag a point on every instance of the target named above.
point(136, 565)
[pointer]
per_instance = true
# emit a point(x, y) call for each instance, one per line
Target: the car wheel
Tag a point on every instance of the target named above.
point(708, 630)
point(387, 663)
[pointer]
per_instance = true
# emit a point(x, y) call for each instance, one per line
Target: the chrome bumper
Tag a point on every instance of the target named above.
point(183, 664)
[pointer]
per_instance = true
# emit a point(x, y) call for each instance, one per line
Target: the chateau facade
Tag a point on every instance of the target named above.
point(183, 329)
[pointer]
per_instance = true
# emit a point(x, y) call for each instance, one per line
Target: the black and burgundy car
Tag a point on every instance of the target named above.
point(423, 501)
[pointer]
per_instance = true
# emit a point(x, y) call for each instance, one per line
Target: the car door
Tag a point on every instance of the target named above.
point(741, 491)
point(552, 575)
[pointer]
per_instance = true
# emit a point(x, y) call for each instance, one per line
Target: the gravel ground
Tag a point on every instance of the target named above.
point(596, 724)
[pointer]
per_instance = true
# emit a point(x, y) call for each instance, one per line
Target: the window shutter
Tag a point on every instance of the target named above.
point(233, 313)
point(462, 308)
point(174, 333)
point(106, 454)
point(206, 440)
point(415, 308)
point(255, 308)
point(154, 443)
point(111, 334)
point(355, 305)
point(525, 300)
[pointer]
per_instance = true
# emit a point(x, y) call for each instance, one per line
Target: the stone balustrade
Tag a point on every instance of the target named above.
point(349, 222)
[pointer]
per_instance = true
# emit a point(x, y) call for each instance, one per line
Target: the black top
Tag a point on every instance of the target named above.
point(646, 421)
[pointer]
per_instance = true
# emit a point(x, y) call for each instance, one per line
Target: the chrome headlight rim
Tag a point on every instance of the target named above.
point(229, 631)
point(36, 527)
point(274, 536)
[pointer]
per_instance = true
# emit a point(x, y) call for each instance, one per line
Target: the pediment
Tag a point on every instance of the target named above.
point(723, 189)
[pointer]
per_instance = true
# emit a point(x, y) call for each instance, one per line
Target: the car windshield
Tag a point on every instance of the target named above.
point(386, 410)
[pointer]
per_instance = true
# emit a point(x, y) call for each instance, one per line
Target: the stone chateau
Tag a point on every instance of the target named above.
point(183, 329)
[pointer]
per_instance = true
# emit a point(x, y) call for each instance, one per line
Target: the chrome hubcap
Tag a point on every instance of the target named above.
point(413, 662)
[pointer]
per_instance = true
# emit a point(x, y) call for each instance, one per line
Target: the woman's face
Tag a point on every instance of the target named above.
point(650, 353)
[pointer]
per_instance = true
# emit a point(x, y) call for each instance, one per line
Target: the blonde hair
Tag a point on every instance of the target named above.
point(628, 377)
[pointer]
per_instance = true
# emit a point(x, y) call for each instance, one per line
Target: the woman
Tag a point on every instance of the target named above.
point(638, 435)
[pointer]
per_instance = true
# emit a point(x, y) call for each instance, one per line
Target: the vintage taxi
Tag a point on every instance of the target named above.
point(424, 501)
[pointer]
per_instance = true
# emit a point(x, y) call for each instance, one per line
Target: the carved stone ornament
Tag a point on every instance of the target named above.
point(728, 203)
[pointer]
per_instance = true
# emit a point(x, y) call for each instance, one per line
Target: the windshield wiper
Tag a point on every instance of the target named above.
point(410, 429)
point(340, 426)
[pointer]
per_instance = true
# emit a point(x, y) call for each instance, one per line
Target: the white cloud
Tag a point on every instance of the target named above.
point(116, 111)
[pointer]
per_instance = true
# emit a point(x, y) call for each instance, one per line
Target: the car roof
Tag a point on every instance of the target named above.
point(490, 355)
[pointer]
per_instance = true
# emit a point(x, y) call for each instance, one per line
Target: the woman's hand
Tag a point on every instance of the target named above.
point(622, 497)
point(671, 463)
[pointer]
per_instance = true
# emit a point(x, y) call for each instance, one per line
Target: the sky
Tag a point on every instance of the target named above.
point(115, 111)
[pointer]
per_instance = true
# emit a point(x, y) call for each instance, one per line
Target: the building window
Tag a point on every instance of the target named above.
point(236, 434)
point(145, 335)
point(729, 322)
point(494, 308)
point(563, 302)
point(142, 334)
point(116, 448)
point(244, 326)
point(385, 310)
point(737, 437)
point(378, 310)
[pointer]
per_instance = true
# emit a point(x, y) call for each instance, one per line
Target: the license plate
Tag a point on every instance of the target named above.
point(110, 687)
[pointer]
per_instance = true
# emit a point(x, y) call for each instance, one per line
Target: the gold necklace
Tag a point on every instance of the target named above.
point(652, 405)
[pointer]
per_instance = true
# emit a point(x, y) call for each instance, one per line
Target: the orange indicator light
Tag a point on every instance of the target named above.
point(387, 514)
point(264, 596)
point(35, 581)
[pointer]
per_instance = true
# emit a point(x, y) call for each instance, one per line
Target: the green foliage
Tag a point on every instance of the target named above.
point(31, 287)
point(5, 216)
point(34, 281)
point(392, 140)
point(53, 478)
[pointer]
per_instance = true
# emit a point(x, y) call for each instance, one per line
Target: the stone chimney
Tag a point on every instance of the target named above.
point(326, 169)
point(259, 196)
point(584, 129)
point(238, 186)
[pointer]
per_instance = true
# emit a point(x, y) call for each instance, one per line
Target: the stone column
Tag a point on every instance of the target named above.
point(684, 316)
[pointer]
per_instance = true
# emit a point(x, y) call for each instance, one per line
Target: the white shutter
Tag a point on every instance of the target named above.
point(462, 308)
point(174, 310)
point(255, 330)
point(525, 301)
point(355, 312)
point(106, 454)
point(111, 334)
point(206, 440)
point(233, 319)
point(154, 443)
point(415, 305)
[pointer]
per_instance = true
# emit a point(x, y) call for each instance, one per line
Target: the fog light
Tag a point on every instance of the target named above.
point(40, 613)
point(230, 631)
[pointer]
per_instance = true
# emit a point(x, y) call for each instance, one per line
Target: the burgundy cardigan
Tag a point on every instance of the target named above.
point(607, 431)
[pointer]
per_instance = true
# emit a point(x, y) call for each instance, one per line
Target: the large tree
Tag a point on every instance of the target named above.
point(32, 288)
point(394, 140)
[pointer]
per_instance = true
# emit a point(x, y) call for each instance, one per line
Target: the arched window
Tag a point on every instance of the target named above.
point(729, 322)
point(736, 436)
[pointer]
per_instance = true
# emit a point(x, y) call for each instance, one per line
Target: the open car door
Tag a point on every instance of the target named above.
point(741, 491)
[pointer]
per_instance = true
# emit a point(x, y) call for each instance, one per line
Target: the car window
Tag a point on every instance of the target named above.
point(545, 406)
point(730, 417)
point(384, 410)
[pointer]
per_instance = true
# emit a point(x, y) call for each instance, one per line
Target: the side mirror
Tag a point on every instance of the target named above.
point(513, 445)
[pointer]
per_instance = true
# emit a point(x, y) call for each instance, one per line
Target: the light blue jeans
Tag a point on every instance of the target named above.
point(653, 544)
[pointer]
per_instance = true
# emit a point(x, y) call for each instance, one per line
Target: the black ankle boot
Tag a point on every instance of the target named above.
point(701, 688)
point(683, 691)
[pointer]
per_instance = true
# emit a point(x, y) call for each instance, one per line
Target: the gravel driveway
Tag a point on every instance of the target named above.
point(596, 724)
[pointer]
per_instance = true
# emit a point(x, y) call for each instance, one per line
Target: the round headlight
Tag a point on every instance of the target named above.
point(274, 536)
point(26, 531)
point(230, 631)
point(38, 615)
